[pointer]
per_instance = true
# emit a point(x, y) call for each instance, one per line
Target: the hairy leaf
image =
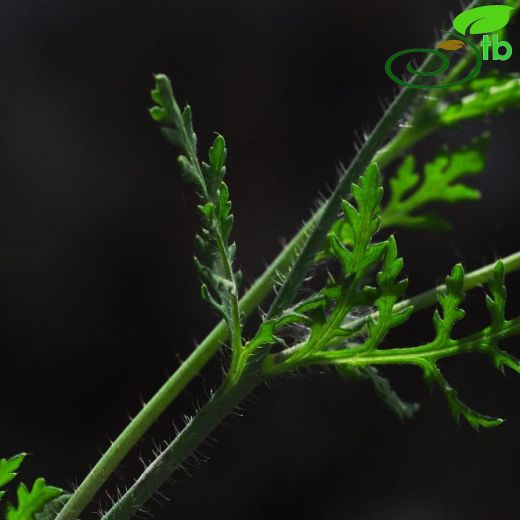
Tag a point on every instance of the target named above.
point(214, 253)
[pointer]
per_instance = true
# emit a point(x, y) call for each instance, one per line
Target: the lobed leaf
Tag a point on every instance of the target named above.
point(410, 191)
point(214, 253)
point(390, 290)
point(32, 501)
point(489, 95)
point(485, 341)
point(8, 469)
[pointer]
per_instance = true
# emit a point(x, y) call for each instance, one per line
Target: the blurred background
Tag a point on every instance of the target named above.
point(98, 295)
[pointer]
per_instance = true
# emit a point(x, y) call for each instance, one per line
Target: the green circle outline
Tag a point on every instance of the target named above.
point(442, 68)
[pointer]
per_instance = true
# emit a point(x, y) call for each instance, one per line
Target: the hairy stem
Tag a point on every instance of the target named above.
point(222, 404)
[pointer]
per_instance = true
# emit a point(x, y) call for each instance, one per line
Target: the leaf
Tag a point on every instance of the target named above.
point(493, 78)
point(390, 289)
point(484, 19)
point(451, 45)
point(491, 94)
point(214, 253)
point(486, 341)
point(411, 191)
point(458, 407)
point(450, 299)
point(8, 469)
point(32, 501)
point(364, 222)
point(317, 312)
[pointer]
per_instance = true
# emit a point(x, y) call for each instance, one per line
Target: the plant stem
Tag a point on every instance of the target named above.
point(223, 402)
point(471, 280)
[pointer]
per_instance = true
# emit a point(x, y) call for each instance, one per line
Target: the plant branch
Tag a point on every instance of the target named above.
point(262, 287)
point(275, 363)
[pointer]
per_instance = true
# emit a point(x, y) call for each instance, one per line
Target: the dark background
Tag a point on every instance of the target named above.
point(98, 293)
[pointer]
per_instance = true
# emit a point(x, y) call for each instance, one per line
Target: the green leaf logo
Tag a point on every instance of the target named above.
point(485, 19)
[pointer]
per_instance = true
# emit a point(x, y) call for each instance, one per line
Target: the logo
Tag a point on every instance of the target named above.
point(480, 20)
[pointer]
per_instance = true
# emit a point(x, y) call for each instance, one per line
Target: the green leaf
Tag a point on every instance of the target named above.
point(217, 161)
point(411, 191)
point(458, 408)
point(327, 326)
point(32, 501)
point(364, 222)
point(8, 469)
point(485, 341)
point(214, 253)
point(485, 19)
point(450, 299)
point(499, 327)
point(390, 290)
point(492, 94)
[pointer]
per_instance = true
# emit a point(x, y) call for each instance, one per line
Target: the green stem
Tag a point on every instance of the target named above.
point(187, 441)
point(471, 280)
point(425, 355)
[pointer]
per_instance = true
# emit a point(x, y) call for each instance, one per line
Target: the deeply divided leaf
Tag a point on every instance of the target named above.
point(214, 253)
point(346, 323)
point(411, 191)
point(8, 468)
point(32, 501)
